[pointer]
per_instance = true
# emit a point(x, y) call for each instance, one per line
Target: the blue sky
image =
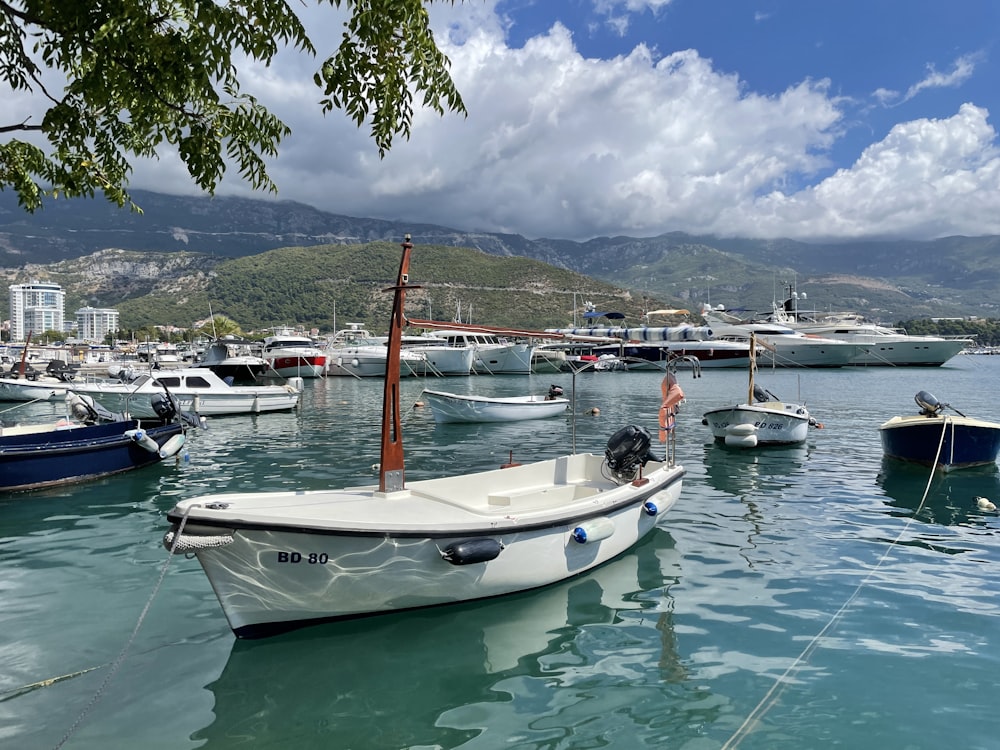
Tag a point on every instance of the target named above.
point(841, 119)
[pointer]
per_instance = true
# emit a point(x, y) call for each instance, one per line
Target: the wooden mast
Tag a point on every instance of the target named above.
point(391, 473)
point(24, 354)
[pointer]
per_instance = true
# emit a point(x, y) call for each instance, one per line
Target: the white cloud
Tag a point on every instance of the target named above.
point(927, 178)
point(559, 145)
point(962, 70)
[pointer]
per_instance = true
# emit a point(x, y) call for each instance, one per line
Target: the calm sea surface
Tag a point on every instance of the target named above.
point(797, 598)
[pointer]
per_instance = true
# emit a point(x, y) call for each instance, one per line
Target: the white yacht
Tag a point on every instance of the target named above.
point(781, 345)
point(876, 345)
point(494, 355)
point(441, 356)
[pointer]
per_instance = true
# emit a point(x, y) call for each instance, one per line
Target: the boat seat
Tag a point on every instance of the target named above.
point(539, 497)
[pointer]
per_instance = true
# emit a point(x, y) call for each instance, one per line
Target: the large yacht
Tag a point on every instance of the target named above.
point(876, 345)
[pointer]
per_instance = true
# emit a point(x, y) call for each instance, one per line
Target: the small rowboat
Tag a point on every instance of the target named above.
point(455, 407)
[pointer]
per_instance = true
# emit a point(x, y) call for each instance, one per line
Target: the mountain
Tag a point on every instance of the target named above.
point(185, 237)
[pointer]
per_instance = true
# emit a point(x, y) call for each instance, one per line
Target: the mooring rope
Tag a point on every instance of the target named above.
point(120, 659)
point(772, 695)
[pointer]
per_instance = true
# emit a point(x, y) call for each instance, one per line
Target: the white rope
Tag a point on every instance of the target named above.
point(176, 542)
point(771, 697)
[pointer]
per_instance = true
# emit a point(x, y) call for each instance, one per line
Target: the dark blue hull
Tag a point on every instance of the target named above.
point(946, 444)
point(65, 456)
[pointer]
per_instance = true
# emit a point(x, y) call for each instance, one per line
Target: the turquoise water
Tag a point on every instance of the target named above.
point(798, 598)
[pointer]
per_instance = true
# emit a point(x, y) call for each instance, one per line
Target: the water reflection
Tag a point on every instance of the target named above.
point(388, 681)
point(742, 471)
point(951, 497)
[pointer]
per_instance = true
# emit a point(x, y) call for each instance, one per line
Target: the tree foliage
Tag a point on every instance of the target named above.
point(142, 74)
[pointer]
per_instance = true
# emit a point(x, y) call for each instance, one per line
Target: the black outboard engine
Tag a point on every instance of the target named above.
point(164, 406)
point(628, 449)
point(555, 391)
point(929, 406)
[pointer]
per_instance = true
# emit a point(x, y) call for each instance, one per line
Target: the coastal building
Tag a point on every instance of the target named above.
point(93, 324)
point(37, 306)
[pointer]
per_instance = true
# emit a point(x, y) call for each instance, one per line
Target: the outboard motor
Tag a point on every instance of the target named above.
point(164, 406)
point(555, 391)
point(89, 411)
point(628, 449)
point(929, 405)
point(167, 409)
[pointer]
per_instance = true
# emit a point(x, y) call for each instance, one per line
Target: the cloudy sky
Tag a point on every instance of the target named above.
point(765, 118)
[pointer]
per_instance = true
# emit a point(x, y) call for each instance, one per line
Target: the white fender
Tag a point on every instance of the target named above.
point(594, 530)
point(741, 436)
point(142, 438)
point(173, 445)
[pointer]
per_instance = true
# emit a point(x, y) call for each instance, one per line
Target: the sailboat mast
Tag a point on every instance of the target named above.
point(391, 473)
point(753, 365)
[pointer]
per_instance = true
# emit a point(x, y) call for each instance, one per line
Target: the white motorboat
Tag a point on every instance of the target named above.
point(196, 389)
point(876, 345)
point(494, 355)
point(355, 352)
point(763, 419)
point(457, 407)
point(279, 560)
point(292, 355)
point(441, 357)
point(24, 383)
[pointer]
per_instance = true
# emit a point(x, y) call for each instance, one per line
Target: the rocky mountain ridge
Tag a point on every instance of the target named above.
point(185, 237)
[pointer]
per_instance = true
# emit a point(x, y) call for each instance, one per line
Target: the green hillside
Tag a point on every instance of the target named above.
point(327, 286)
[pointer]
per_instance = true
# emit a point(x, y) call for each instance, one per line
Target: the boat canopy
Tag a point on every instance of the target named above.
point(642, 333)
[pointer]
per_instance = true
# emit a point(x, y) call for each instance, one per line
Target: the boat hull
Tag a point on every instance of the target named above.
point(512, 359)
point(331, 555)
point(74, 455)
point(773, 423)
point(359, 363)
point(298, 366)
point(710, 354)
point(944, 442)
point(453, 407)
point(33, 390)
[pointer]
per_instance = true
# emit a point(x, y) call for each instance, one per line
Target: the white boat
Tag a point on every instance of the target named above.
point(197, 390)
point(783, 346)
point(763, 419)
point(457, 407)
point(441, 357)
point(494, 355)
point(876, 345)
point(279, 560)
point(355, 352)
point(292, 355)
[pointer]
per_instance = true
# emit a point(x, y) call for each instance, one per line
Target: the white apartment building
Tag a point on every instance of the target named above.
point(37, 306)
point(93, 324)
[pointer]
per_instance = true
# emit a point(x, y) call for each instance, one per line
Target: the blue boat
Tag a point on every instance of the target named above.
point(942, 441)
point(75, 450)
